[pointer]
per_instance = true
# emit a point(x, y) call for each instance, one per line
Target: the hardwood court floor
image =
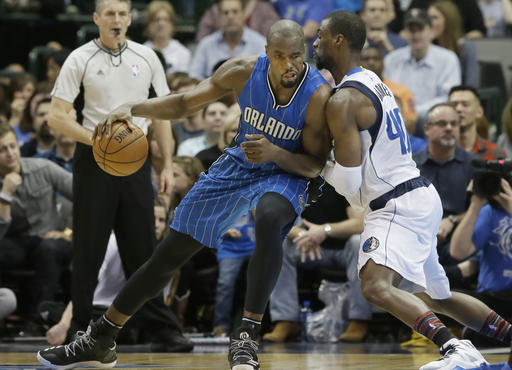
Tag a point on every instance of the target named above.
point(300, 357)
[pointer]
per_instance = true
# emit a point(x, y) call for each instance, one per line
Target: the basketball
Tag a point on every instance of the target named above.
point(123, 152)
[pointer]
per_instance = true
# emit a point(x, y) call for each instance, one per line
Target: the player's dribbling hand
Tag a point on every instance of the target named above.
point(258, 149)
point(121, 113)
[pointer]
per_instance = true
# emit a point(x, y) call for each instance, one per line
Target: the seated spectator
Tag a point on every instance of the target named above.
point(191, 126)
point(228, 133)
point(23, 87)
point(497, 16)
point(234, 251)
point(447, 32)
point(64, 152)
point(372, 59)
point(232, 39)
point(375, 15)
point(186, 172)
point(259, 16)
point(53, 64)
point(505, 138)
point(160, 30)
point(213, 120)
point(430, 71)
point(30, 231)
point(485, 228)
point(307, 13)
point(472, 19)
point(448, 167)
point(467, 103)
point(44, 140)
point(329, 225)
point(111, 279)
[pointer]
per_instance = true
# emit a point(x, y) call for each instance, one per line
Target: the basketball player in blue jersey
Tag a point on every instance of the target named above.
point(398, 262)
point(283, 140)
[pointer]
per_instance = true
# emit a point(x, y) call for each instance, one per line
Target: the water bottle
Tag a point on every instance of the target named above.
point(305, 310)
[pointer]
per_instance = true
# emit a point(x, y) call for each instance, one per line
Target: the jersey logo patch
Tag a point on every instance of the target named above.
point(370, 244)
point(135, 70)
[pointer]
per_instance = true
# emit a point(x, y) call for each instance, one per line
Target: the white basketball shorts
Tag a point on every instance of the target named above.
point(402, 236)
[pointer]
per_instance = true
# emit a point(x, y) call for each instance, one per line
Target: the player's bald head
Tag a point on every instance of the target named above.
point(285, 30)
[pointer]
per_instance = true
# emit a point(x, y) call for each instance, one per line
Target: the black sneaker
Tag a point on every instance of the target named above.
point(242, 350)
point(88, 349)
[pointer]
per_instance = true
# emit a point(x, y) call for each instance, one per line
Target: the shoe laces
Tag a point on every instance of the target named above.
point(82, 340)
point(449, 351)
point(243, 347)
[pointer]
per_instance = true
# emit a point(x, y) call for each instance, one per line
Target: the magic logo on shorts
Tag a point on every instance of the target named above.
point(370, 244)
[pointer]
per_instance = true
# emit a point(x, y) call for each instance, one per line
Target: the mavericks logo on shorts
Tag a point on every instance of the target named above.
point(370, 244)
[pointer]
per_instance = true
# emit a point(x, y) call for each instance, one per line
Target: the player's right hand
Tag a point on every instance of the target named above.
point(123, 112)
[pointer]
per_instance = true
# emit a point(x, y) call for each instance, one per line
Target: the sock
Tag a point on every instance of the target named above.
point(253, 325)
point(431, 327)
point(107, 328)
point(497, 327)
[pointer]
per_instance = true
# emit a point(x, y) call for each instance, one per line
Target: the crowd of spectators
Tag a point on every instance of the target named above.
point(423, 50)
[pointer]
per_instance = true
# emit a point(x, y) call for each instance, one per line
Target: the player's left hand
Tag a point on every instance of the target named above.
point(258, 149)
point(166, 180)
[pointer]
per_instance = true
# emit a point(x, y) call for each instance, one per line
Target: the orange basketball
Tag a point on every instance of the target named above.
point(123, 152)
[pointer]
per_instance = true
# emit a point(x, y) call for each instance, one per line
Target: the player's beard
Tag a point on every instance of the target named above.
point(321, 63)
point(289, 84)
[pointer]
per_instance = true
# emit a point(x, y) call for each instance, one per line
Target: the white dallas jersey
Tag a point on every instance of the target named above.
point(386, 157)
point(108, 80)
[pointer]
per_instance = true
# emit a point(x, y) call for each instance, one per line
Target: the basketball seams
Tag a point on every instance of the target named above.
point(130, 143)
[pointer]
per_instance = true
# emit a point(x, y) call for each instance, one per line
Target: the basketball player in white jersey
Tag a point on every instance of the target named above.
point(398, 262)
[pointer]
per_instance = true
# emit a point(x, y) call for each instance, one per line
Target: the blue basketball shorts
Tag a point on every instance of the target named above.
point(226, 193)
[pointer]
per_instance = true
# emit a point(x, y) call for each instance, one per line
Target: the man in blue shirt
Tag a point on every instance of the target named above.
point(375, 15)
point(233, 39)
point(430, 71)
point(449, 169)
point(487, 229)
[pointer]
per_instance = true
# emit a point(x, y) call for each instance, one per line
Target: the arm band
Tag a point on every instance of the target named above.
point(346, 180)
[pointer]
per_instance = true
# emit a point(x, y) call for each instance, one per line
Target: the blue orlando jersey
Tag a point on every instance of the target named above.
point(261, 114)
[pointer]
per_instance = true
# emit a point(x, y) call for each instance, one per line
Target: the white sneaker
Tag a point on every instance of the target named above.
point(457, 353)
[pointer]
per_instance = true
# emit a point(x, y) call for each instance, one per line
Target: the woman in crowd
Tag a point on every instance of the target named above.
point(160, 30)
point(447, 32)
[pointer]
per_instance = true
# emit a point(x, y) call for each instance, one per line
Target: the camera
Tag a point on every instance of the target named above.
point(488, 174)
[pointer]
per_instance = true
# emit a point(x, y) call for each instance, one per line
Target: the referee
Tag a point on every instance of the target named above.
point(96, 78)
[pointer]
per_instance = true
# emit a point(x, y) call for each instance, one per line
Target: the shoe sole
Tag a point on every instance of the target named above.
point(243, 367)
point(96, 364)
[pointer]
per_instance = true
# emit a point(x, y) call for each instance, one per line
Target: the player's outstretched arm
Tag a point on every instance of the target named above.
point(229, 78)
